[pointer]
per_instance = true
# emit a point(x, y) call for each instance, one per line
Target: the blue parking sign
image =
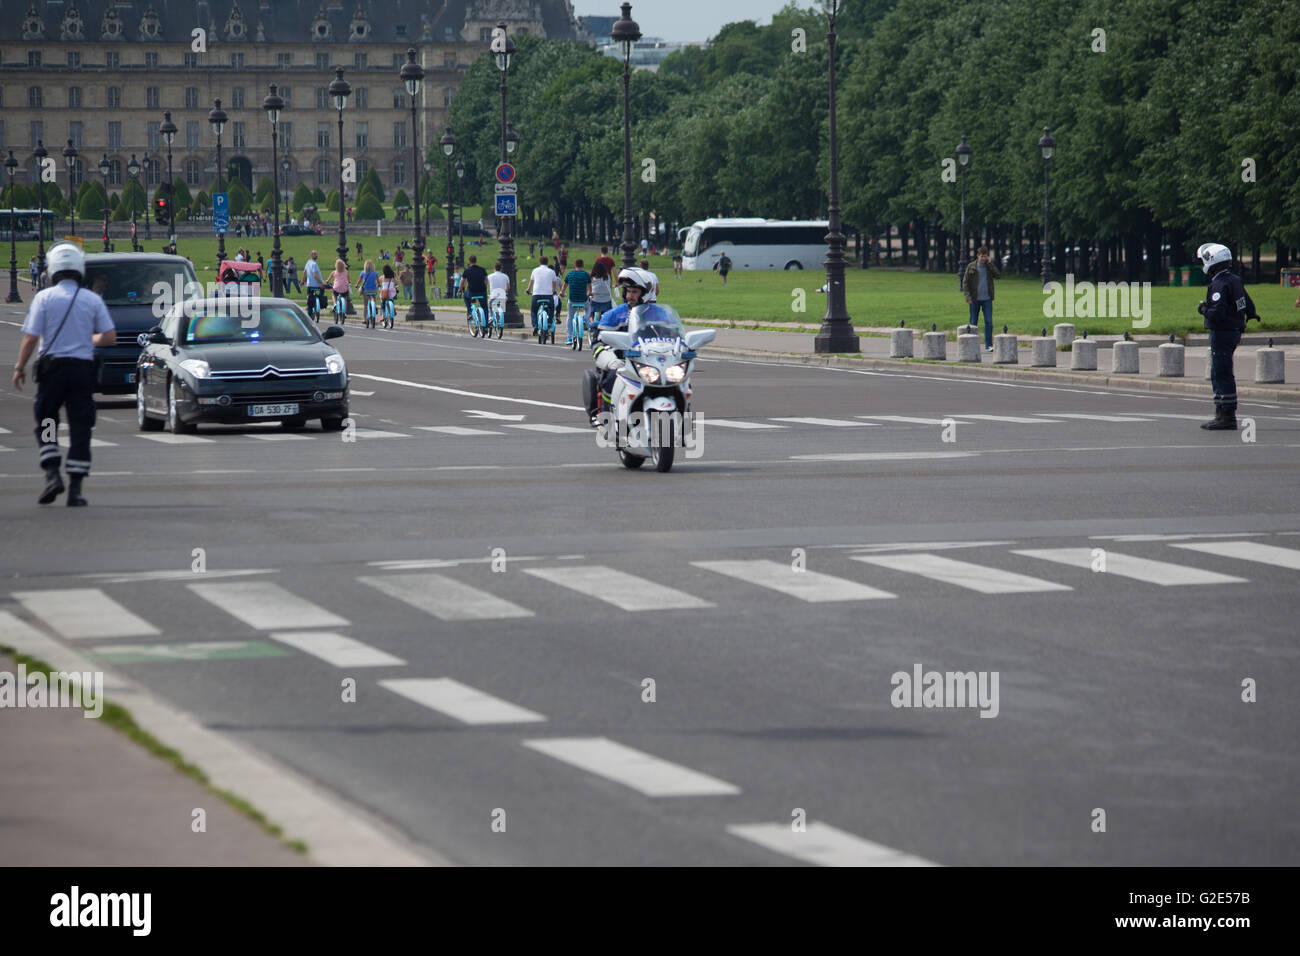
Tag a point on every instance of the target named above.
point(220, 213)
point(506, 205)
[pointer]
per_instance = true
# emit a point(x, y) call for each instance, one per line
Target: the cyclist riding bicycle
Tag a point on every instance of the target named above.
point(315, 284)
point(342, 286)
point(474, 286)
point(368, 286)
point(498, 287)
point(388, 294)
point(578, 282)
point(541, 286)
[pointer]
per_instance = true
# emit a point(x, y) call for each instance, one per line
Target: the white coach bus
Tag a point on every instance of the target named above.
point(755, 244)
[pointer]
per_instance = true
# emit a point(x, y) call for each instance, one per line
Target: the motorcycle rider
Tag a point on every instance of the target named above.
point(638, 287)
point(1227, 308)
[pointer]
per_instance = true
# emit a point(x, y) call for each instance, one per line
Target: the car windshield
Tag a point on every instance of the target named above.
point(218, 322)
point(655, 320)
point(138, 283)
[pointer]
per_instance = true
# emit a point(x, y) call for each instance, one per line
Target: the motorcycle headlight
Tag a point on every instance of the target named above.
point(197, 367)
point(675, 373)
point(335, 364)
point(648, 373)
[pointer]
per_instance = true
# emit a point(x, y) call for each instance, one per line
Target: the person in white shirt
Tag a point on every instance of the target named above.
point(543, 284)
point(498, 286)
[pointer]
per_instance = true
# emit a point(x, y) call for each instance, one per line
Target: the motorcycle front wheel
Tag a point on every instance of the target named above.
point(629, 460)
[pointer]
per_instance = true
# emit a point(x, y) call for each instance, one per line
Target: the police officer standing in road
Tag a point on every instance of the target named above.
point(1226, 308)
point(68, 322)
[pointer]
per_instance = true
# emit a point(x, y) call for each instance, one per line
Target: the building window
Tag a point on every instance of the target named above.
point(115, 172)
point(284, 59)
point(363, 167)
point(399, 135)
point(191, 61)
point(151, 135)
point(322, 135)
point(363, 136)
point(35, 132)
point(237, 98)
point(34, 97)
point(191, 172)
point(399, 98)
point(191, 134)
point(151, 61)
point(449, 61)
point(238, 139)
point(152, 173)
point(236, 61)
point(113, 98)
point(114, 134)
point(359, 60)
point(113, 60)
point(399, 30)
point(322, 172)
point(74, 97)
point(322, 98)
point(74, 60)
point(74, 133)
point(151, 99)
point(33, 59)
point(286, 136)
point(286, 94)
point(399, 172)
point(76, 173)
point(447, 95)
point(322, 61)
point(484, 34)
point(363, 98)
point(191, 97)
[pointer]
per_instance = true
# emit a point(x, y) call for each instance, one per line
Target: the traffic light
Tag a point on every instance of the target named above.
point(160, 211)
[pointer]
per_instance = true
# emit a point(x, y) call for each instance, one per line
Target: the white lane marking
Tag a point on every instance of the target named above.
point(456, 430)
point(169, 439)
point(975, 577)
point(266, 606)
point(1127, 566)
point(178, 574)
point(1013, 419)
point(15, 632)
point(1194, 418)
point(830, 422)
point(445, 598)
point(5, 431)
point(736, 423)
point(337, 649)
point(415, 564)
point(625, 591)
point(921, 545)
point(80, 613)
point(1095, 418)
point(885, 455)
point(460, 701)
point(824, 845)
point(808, 586)
point(908, 419)
point(1270, 554)
point(65, 441)
point(7, 448)
point(354, 391)
point(495, 416)
point(378, 433)
point(1179, 537)
point(461, 391)
point(632, 768)
point(553, 429)
point(282, 436)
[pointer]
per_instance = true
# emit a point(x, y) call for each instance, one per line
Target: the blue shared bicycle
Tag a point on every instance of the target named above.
point(545, 323)
point(480, 324)
point(577, 325)
point(389, 313)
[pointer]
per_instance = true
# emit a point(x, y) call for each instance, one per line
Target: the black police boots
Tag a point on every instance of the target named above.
point(53, 485)
point(1223, 420)
point(74, 491)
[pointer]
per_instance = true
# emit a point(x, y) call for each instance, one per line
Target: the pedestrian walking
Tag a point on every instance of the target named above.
point(722, 267)
point(977, 284)
point(291, 275)
point(406, 279)
point(604, 260)
point(34, 267)
point(67, 322)
point(677, 265)
point(1227, 308)
point(564, 257)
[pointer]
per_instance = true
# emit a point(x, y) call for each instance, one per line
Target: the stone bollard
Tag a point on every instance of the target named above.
point(1169, 360)
point(1083, 356)
point(968, 347)
point(900, 343)
point(1044, 351)
point(1125, 358)
point(1006, 349)
point(935, 346)
point(1270, 364)
point(1064, 334)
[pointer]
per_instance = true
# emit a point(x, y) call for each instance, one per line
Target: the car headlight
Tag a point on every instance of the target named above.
point(675, 373)
point(648, 373)
point(197, 367)
point(335, 364)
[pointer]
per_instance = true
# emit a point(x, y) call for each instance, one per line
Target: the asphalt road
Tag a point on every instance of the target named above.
point(483, 689)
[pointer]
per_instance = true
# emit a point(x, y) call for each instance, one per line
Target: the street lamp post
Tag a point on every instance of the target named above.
point(503, 48)
point(41, 154)
point(217, 120)
point(460, 215)
point(963, 160)
point(1047, 146)
point(428, 193)
point(70, 160)
point(836, 334)
point(103, 172)
point(340, 90)
point(148, 219)
point(448, 144)
point(10, 165)
point(412, 75)
point(168, 133)
point(625, 34)
point(286, 167)
point(133, 170)
point(273, 104)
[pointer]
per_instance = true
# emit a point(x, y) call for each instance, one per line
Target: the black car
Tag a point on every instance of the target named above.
point(138, 288)
point(234, 360)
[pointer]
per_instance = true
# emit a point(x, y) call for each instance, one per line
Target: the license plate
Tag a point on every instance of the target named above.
point(130, 378)
point(272, 411)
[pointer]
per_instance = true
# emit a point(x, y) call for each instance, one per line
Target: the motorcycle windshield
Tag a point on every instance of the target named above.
point(655, 320)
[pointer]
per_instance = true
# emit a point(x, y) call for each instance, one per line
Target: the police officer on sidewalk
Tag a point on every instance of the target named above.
point(68, 322)
point(1226, 308)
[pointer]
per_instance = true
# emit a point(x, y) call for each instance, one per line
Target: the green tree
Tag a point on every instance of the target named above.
point(241, 200)
point(301, 197)
point(202, 202)
point(400, 198)
point(332, 200)
point(264, 188)
point(318, 196)
point(368, 207)
point(21, 198)
point(91, 201)
point(132, 197)
point(371, 178)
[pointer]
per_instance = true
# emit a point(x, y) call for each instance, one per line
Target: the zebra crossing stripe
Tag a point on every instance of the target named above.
point(1096, 418)
point(909, 420)
point(627, 592)
point(632, 768)
point(445, 598)
point(1271, 554)
point(737, 423)
point(552, 429)
point(80, 613)
point(975, 577)
point(460, 701)
point(831, 422)
point(823, 845)
point(266, 606)
point(167, 438)
point(1013, 419)
point(1127, 566)
point(337, 649)
point(807, 586)
point(456, 430)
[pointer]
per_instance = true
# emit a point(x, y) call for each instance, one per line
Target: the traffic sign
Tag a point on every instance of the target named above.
point(506, 205)
point(220, 213)
point(507, 189)
point(505, 173)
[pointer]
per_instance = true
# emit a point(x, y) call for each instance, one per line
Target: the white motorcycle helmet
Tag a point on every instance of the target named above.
point(65, 257)
point(642, 279)
point(1211, 254)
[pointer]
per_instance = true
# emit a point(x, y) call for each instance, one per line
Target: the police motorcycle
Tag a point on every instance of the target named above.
point(649, 415)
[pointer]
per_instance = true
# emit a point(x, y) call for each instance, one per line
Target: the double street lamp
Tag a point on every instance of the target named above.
point(133, 170)
point(1047, 146)
point(146, 162)
point(273, 104)
point(963, 160)
point(103, 172)
point(217, 120)
point(41, 154)
point(448, 144)
point(340, 90)
point(412, 75)
point(625, 34)
point(503, 48)
point(168, 133)
point(10, 165)
point(286, 167)
point(460, 215)
point(70, 161)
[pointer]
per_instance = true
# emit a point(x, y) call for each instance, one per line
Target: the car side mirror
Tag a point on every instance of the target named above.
point(154, 336)
point(333, 332)
point(700, 337)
